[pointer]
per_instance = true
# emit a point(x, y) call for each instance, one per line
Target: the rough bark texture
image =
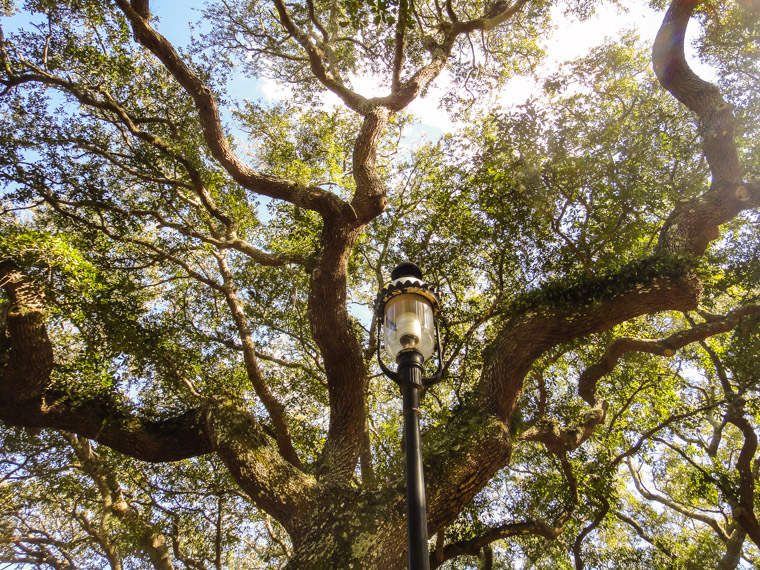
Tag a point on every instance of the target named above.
point(26, 354)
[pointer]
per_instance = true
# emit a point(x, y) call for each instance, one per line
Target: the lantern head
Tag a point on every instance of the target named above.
point(407, 309)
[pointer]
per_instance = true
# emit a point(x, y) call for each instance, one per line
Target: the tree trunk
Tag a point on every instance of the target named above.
point(367, 529)
point(354, 530)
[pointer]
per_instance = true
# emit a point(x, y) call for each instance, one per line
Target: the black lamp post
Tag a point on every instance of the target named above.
point(407, 310)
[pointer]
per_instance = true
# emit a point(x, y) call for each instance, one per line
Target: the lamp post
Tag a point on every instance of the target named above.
point(407, 309)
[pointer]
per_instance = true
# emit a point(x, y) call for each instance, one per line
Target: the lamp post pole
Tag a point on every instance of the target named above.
point(406, 310)
point(410, 364)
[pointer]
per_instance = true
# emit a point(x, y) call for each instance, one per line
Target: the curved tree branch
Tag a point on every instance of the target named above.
point(28, 399)
point(712, 523)
point(473, 546)
point(370, 198)
point(654, 541)
point(646, 436)
point(574, 313)
point(600, 516)
point(318, 65)
point(662, 347)
point(744, 511)
point(100, 99)
point(272, 405)
point(694, 223)
point(704, 99)
point(274, 484)
point(561, 440)
point(312, 198)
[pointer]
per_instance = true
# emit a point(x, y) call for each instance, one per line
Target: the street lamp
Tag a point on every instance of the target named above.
point(407, 310)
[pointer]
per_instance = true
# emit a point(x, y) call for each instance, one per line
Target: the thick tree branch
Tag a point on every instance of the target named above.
point(331, 325)
point(455, 473)
point(221, 426)
point(473, 546)
point(703, 98)
point(694, 223)
point(533, 330)
point(734, 546)
point(273, 483)
point(744, 511)
point(493, 18)
point(106, 422)
point(26, 353)
point(561, 440)
point(575, 313)
point(339, 345)
point(370, 198)
point(312, 198)
point(27, 399)
point(408, 90)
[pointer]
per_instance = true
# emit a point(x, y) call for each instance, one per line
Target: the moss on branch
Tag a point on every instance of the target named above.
point(580, 289)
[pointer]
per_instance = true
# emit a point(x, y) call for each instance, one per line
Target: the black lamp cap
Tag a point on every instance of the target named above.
point(405, 278)
point(406, 269)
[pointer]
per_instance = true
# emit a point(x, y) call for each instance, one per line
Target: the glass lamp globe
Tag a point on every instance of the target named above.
point(408, 323)
point(407, 307)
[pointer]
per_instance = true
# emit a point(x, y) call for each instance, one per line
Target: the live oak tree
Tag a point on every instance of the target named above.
point(186, 335)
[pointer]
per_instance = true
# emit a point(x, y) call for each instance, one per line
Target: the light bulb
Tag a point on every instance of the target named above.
point(409, 330)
